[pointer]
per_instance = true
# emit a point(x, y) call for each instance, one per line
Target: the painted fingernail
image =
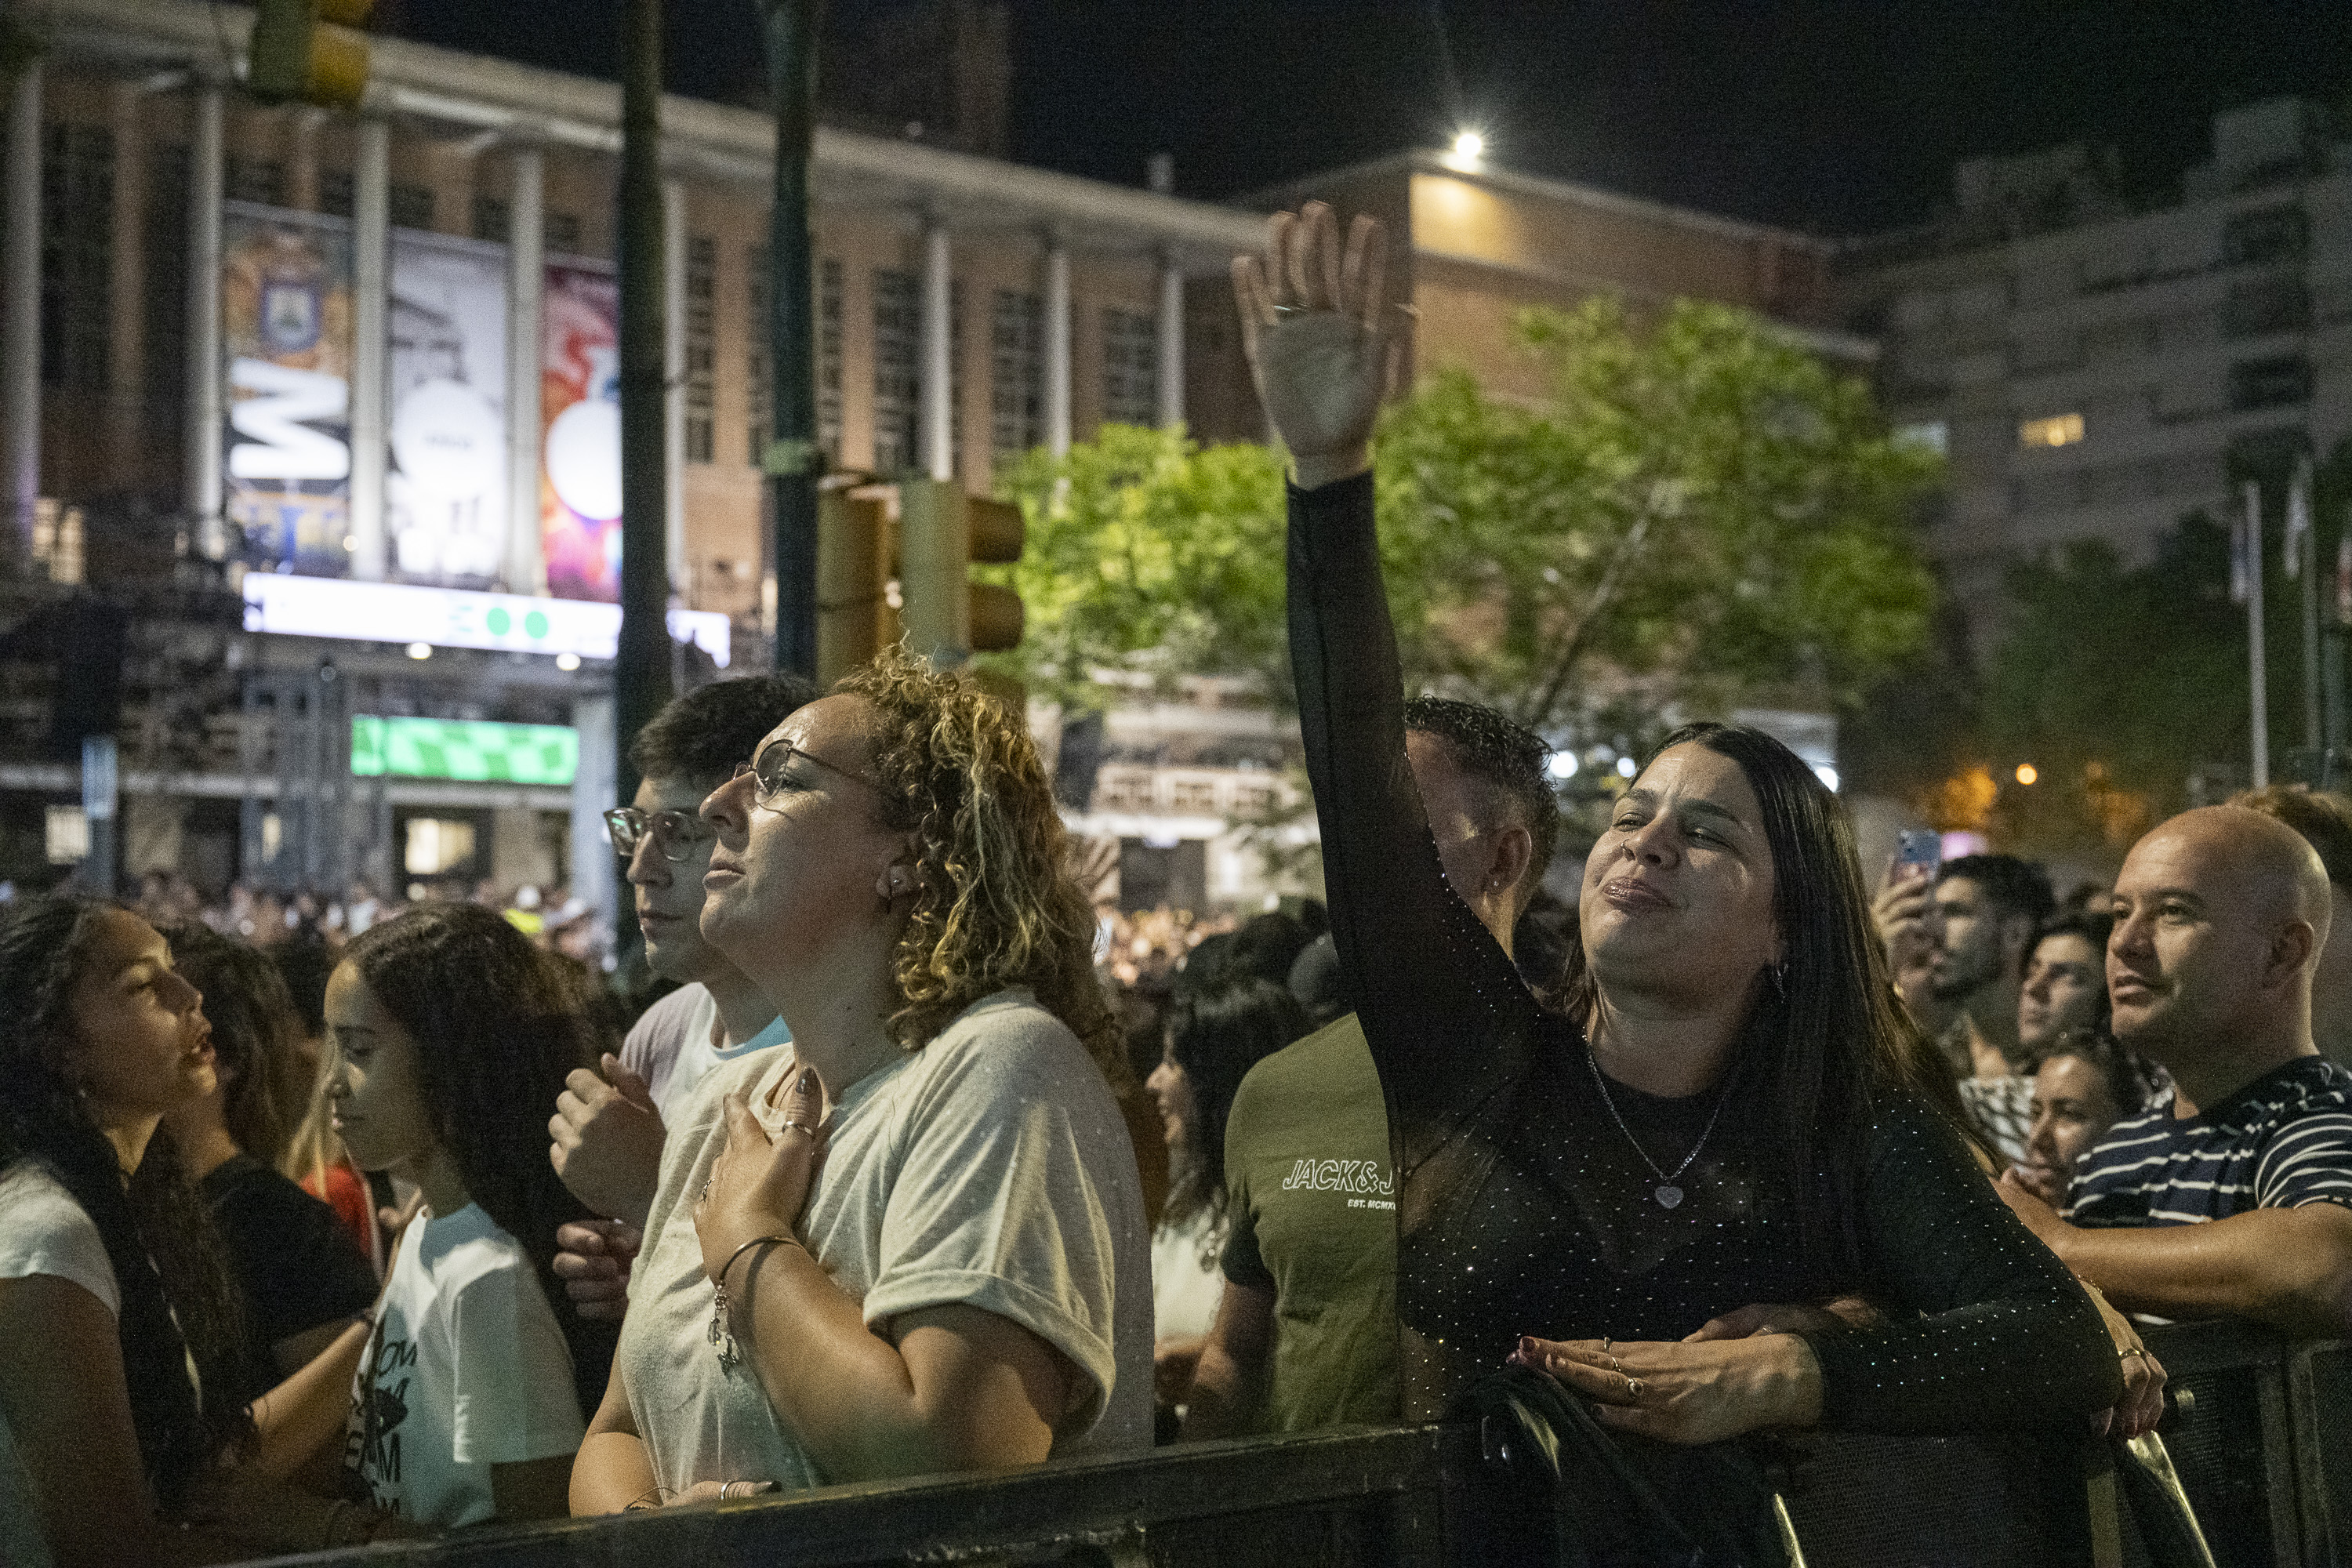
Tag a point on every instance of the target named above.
point(808, 1081)
point(1526, 1345)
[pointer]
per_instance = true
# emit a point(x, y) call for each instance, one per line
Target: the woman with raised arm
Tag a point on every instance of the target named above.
point(962, 1282)
point(1725, 1117)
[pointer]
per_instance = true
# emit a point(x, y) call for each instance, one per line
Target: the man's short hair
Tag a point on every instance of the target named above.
point(702, 735)
point(2321, 816)
point(1506, 756)
point(2013, 887)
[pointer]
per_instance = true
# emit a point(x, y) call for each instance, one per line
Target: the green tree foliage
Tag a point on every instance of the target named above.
point(1148, 551)
point(1703, 508)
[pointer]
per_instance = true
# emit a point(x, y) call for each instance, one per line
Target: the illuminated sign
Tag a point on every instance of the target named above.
point(455, 618)
point(465, 749)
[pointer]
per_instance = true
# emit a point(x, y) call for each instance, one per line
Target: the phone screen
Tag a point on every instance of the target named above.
point(1918, 851)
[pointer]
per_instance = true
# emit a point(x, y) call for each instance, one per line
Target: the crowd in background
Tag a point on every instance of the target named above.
point(323, 1223)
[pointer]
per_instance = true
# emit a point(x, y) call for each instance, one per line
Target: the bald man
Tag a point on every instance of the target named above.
point(2231, 1196)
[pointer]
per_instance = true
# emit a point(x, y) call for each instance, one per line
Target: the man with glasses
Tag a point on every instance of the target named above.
point(608, 1130)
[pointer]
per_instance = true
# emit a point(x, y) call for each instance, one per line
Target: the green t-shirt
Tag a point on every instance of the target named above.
point(1314, 1220)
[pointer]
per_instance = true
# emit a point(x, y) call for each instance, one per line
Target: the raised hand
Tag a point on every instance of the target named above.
point(1313, 324)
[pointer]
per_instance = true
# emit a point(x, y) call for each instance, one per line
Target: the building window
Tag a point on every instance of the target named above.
point(336, 197)
point(163, 282)
point(2263, 305)
point(1017, 396)
point(412, 205)
point(76, 254)
point(1927, 435)
point(2270, 383)
point(493, 219)
point(898, 371)
point(701, 345)
point(758, 387)
point(261, 180)
point(828, 355)
point(2269, 234)
point(2057, 430)
point(1131, 368)
point(563, 233)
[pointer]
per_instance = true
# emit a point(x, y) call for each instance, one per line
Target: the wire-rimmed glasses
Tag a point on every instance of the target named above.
point(767, 770)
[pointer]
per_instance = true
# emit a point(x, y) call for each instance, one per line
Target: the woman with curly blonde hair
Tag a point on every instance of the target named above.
point(913, 1239)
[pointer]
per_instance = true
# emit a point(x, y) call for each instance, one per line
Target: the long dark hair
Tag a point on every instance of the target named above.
point(1828, 1042)
point(495, 1033)
point(1216, 1034)
point(179, 1298)
point(265, 1082)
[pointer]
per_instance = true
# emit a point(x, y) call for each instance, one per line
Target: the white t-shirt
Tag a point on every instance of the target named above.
point(43, 1231)
point(992, 1169)
point(1186, 1285)
point(466, 1369)
point(675, 1045)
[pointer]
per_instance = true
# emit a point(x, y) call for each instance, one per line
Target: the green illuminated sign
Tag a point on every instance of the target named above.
point(465, 749)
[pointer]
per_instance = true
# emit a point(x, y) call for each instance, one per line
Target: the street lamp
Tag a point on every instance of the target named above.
point(1469, 146)
point(2027, 773)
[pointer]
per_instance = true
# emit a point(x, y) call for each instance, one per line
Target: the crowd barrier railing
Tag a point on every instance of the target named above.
point(2265, 1454)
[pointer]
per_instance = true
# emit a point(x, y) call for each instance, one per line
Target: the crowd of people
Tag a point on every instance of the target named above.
point(394, 1228)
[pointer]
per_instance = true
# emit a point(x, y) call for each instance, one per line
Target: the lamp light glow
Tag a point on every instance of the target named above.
point(2027, 773)
point(1469, 146)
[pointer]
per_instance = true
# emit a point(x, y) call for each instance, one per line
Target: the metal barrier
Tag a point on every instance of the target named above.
point(2266, 1455)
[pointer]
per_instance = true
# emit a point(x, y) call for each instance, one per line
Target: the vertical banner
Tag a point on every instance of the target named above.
point(446, 486)
point(286, 344)
point(580, 398)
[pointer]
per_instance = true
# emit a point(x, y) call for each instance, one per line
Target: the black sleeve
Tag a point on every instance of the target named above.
point(1999, 1333)
point(1415, 962)
point(300, 1268)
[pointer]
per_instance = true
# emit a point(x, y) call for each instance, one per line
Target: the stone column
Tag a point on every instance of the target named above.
point(526, 573)
point(20, 303)
point(1057, 346)
point(1171, 343)
point(371, 343)
point(938, 364)
point(205, 175)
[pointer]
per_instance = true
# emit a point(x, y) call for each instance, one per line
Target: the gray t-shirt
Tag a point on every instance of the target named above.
point(990, 1169)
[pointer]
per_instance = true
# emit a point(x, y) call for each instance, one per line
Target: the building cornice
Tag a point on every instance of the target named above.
point(718, 141)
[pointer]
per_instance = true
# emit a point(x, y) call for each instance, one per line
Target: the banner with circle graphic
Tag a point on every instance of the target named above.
point(446, 482)
point(580, 399)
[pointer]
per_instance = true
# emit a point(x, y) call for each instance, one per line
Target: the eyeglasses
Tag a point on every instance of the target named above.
point(676, 834)
point(767, 771)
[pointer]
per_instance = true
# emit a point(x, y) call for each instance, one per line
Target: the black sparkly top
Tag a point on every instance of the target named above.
point(1524, 1207)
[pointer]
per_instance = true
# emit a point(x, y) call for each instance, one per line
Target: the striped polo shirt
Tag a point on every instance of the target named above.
point(2281, 1141)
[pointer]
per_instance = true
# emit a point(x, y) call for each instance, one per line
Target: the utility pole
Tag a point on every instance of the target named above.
point(641, 668)
point(2257, 679)
point(793, 460)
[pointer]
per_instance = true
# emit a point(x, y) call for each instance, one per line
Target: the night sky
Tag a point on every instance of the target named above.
point(1834, 116)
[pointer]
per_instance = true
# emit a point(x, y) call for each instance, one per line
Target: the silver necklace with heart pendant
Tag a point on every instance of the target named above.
point(1667, 1193)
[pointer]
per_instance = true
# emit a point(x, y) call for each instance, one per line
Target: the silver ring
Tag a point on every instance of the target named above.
point(1605, 1344)
point(802, 1125)
point(1291, 311)
point(1633, 1389)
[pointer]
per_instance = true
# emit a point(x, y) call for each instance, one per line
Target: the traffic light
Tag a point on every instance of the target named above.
point(309, 51)
point(854, 563)
point(942, 532)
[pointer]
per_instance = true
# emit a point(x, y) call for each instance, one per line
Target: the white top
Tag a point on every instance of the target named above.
point(43, 1231)
point(675, 1046)
point(991, 1169)
point(1186, 1282)
point(466, 1369)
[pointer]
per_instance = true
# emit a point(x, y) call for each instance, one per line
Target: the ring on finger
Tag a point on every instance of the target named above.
point(1634, 1387)
point(2134, 1351)
point(803, 1126)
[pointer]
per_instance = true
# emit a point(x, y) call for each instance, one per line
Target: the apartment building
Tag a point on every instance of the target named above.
point(2093, 371)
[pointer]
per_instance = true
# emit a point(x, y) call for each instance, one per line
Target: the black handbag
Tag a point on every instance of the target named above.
point(1618, 1500)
